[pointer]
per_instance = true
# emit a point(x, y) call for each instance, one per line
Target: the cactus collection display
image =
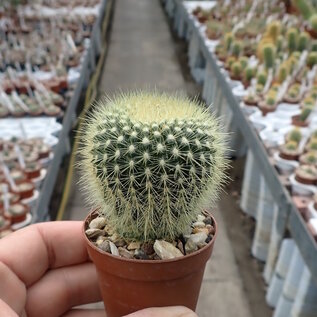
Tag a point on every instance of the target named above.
point(151, 162)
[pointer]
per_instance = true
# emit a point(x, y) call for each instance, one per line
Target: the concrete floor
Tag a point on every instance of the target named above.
point(143, 54)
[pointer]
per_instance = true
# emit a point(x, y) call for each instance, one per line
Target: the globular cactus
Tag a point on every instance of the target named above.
point(269, 55)
point(236, 69)
point(291, 146)
point(248, 74)
point(311, 59)
point(282, 73)
point(270, 100)
point(305, 113)
point(150, 162)
point(303, 41)
point(261, 78)
point(228, 40)
point(313, 22)
point(295, 135)
point(292, 36)
point(236, 48)
point(243, 61)
point(314, 45)
point(273, 30)
point(304, 7)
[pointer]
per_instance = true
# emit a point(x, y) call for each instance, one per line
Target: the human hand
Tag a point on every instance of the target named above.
point(45, 271)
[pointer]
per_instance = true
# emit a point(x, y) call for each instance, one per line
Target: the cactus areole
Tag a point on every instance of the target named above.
point(150, 163)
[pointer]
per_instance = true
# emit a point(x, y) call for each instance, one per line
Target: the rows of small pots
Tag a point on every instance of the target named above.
point(23, 169)
point(42, 49)
point(269, 58)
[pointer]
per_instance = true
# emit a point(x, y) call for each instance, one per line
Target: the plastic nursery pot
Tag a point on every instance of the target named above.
point(128, 285)
point(17, 213)
point(266, 109)
point(25, 189)
point(298, 123)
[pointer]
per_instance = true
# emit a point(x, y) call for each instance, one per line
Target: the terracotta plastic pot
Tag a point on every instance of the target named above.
point(298, 123)
point(128, 285)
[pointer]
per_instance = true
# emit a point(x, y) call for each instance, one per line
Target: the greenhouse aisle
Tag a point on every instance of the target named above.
point(142, 55)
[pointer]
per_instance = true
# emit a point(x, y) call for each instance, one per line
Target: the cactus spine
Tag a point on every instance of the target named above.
point(150, 162)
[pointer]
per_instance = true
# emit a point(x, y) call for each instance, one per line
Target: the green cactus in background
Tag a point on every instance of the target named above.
point(261, 78)
point(273, 30)
point(303, 41)
point(236, 48)
point(292, 36)
point(291, 146)
point(304, 7)
point(243, 61)
point(268, 55)
point(279, 43)
point(314, 45)
point(305, 113)
point(282, 73)
point(228, 40)
point(295, 135)
point(311, 59)
point(150, 162)
point(313, 22)
point(248, 74)
point(270, 100)
point(236, 69)
point(311, 157)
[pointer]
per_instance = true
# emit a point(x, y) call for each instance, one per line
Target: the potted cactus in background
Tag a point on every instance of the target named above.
point(303, 41)
point(150, 163)
point(268, 54)
point(301, 120)
point(235, 71)
point(312, 26)
point(292, 39)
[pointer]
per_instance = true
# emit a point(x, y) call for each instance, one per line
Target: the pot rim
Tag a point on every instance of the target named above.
point(115, 257)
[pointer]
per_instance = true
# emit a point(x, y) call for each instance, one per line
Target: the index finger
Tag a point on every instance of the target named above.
point(30, 252)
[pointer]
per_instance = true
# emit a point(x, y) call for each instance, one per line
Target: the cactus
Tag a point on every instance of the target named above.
point(311, 157)
point(268, 55)
point(270, 100)
point(228, 40)
point(273, 30)
point(291, 146)
point(313, 145)
point(304, 114)
point(279, 43)
point(236, 69)
point(311, 59)
point(308, 102)
point(282, 73)
point(248, 74)
point(295, 135)
point(303, 41)
point(150, 162)
point(236, 48)
point(304, 7)
point(314, 45)
point(243, 61)
point(259, 88)
point(292, 35)
point(313, 22)
point(261, 78)
point(230, 60)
